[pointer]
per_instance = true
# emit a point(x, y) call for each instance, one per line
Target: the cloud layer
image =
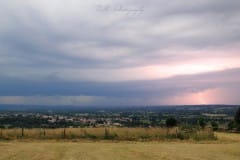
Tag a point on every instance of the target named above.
point(119, 52)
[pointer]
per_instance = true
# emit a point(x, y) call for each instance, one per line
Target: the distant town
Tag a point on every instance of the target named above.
point(152, 116)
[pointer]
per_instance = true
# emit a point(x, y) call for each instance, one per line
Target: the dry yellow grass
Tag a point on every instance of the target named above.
point(53, 150)
point(225, 148)
point(228, 137)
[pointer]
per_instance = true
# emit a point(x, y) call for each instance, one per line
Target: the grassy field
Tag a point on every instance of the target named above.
point(225, 148)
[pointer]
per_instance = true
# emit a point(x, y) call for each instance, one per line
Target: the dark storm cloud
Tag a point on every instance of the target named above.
point(178, 85)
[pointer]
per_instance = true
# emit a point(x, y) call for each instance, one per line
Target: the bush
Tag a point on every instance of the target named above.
point(201, 123)
point(214, 126)
point(182, 136)
point(171, 122)
point(232, 125)
point(237, 116)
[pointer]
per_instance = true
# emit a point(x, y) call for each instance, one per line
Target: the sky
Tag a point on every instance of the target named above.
point(121, 52)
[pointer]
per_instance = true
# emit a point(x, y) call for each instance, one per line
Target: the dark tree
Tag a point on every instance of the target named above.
point(202, 123)
point(171, 122)
point(232, 125)
point(237, 116)
point(214, 126)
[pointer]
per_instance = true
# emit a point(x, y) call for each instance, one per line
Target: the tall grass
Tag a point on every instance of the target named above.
point(198, 135)
point(130, 134)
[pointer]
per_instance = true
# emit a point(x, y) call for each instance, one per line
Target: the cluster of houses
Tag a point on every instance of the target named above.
point(83, 119)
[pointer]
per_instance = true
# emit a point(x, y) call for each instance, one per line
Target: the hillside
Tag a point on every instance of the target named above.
point(225, 148)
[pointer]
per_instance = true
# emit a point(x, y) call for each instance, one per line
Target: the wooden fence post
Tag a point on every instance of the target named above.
point(44, 133)
point(176, 132)
point(22, 131)
point(64, 133)
point(167, 131)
